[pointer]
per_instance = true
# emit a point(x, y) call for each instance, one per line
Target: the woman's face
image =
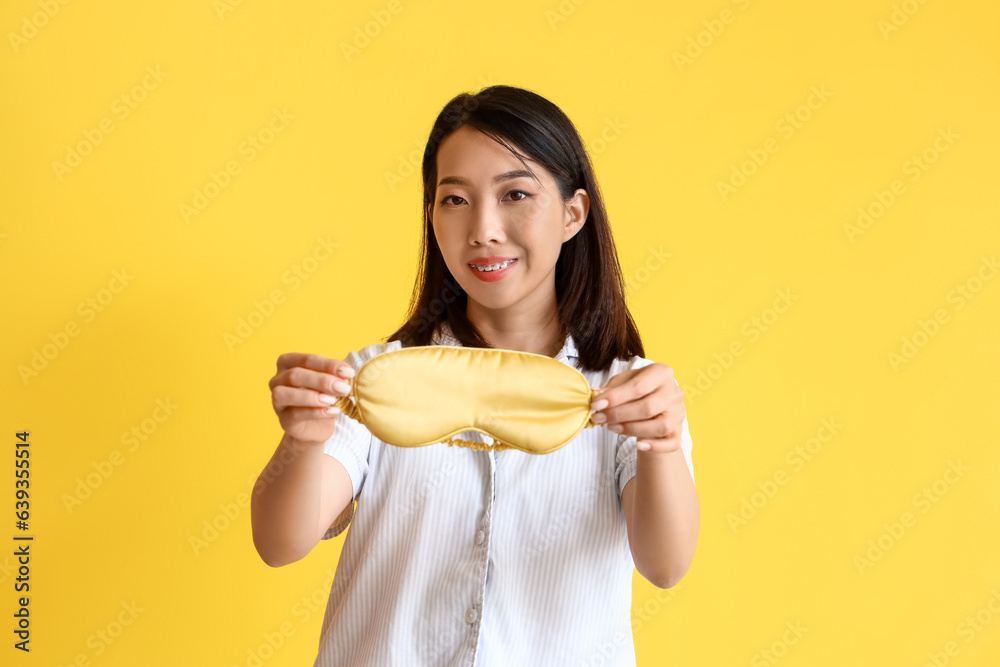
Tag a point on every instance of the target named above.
point(488, 210)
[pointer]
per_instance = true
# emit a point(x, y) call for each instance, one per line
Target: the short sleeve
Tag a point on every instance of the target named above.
point(351, 442)
point(626, 453)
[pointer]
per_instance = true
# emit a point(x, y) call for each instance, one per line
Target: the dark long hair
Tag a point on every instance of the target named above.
point(590, 290)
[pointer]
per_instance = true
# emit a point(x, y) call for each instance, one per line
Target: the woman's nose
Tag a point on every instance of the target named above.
point(487, 224)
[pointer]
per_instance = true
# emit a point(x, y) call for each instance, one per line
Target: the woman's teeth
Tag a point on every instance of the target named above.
point(493, 267)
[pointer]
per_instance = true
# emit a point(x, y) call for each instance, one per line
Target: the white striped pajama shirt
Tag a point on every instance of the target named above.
point(457, 556)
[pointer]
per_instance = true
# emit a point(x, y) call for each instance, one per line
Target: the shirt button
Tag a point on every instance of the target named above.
point(471, 615)
point(480, 536)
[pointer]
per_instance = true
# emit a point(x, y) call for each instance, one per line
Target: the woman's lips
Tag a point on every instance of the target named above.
point(493, 276)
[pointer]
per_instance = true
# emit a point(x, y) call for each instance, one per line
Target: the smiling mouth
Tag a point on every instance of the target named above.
point(489, 268)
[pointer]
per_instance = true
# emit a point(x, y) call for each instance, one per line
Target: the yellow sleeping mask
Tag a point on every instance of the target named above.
point(418, 396)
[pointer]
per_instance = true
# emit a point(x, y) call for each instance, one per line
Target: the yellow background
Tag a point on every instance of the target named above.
point(664, 132)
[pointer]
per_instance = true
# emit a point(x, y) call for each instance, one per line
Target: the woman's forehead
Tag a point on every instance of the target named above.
point(471, 156)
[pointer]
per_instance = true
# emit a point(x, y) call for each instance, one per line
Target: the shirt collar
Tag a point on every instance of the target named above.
point(444, 336)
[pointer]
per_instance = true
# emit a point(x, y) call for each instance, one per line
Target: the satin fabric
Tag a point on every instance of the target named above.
point(419, 396)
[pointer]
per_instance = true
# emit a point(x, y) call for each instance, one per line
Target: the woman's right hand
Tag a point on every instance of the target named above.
point(303, 391)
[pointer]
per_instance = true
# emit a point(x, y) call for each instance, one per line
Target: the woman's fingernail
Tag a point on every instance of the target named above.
point(328, 399)
point(599, 405)
point(644, 446)
point(346, 372)
point(600, 418)
point(342, 387)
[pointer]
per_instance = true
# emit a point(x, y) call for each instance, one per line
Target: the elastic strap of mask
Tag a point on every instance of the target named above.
point(478, 445)
point(474, 444)
point(348, 407)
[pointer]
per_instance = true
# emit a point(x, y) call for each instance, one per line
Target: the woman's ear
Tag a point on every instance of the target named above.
point(577, 209)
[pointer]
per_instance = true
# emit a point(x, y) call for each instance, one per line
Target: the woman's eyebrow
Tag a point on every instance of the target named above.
point(506, 176)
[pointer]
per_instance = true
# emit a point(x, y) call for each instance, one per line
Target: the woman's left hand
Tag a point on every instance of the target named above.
point(645, 402)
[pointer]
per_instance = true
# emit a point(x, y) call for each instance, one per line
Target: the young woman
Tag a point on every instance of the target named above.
point(463, 556)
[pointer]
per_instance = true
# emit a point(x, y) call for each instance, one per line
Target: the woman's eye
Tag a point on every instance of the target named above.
point(459, 200)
